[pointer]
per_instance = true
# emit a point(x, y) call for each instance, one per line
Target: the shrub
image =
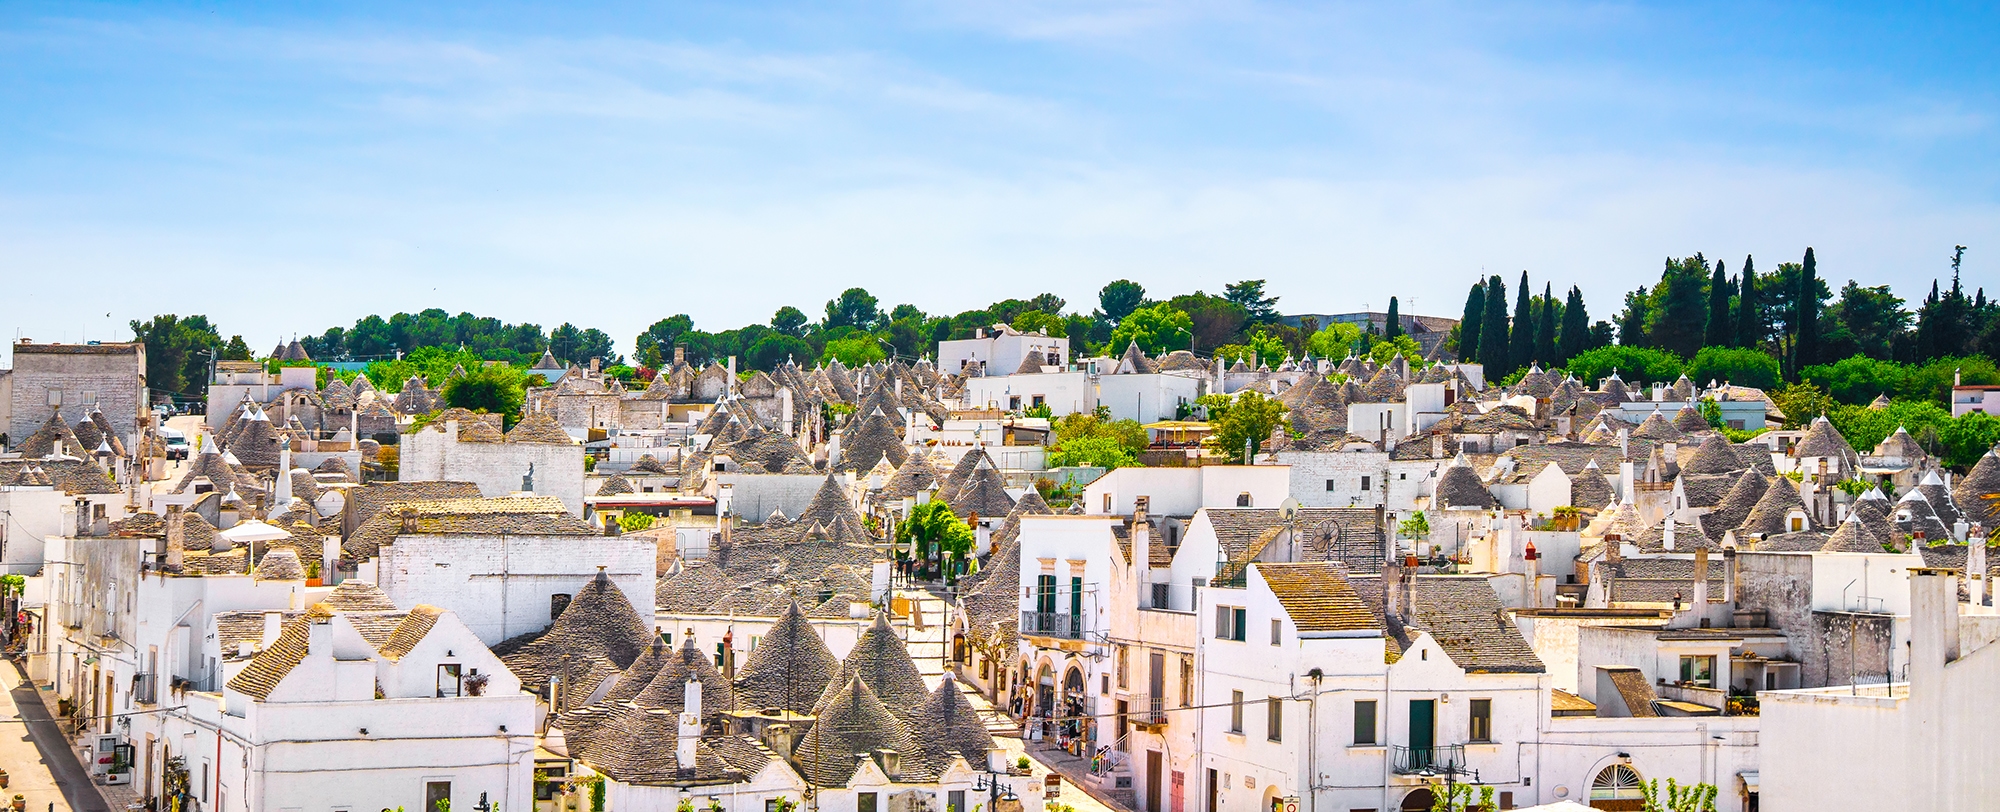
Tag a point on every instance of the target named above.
point(1632, 364)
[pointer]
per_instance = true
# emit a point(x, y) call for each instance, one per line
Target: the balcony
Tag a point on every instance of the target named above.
point(1052, 624)
point(1147, 711)
point(1434, 760)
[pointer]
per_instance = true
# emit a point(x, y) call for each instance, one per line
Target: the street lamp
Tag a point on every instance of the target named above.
point(990, 784)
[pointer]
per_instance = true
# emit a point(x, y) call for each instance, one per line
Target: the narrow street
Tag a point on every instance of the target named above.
point(40, 765)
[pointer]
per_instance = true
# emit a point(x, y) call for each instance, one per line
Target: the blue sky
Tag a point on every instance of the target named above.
point(288, 167)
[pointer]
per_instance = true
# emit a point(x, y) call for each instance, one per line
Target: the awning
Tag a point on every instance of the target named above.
point(1749, 781)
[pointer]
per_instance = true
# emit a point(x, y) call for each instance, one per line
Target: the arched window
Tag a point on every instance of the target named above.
point(1420, 799)
point(1617, 787)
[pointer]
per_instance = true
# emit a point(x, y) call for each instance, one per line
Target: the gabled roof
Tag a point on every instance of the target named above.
point(1135, 362)
point(539, 428)
point(1318, 598)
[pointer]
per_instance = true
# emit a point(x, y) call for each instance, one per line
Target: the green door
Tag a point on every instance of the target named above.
point(1423, 731)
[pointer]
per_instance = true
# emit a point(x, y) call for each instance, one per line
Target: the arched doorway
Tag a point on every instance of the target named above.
point(960, 653)
point(1419, 800)
point(1617, 787)
point(1045, 691)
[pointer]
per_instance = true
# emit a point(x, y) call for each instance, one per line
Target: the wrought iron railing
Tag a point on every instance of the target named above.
point(1433, 760)
point(1052, 624)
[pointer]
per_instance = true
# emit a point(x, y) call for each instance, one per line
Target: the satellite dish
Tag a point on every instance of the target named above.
point(1288, 509)
point(329, 504)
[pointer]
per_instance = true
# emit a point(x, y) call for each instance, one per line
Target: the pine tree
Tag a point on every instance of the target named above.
point(1805, 347)
point(1575, 328)
point(1493, 330)
point(1721, 329)
point(1749, 319)
point(1395, 320)
point(1521, 340)
point(1468, 324)
point(1545, 328)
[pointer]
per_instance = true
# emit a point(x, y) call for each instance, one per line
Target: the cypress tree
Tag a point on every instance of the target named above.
point(1545, 328)
point(1721, 329)
point(1395, 321)
point(1468, 324)
point(1521, 340)
point(1749, 315)
point(1575, 328)
point(1805, 349)
point(1493, 330)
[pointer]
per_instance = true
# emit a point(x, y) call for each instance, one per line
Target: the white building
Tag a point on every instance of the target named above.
point(1000, 351)
point(537, 456)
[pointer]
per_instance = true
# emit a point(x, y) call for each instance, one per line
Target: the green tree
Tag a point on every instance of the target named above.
point(237, 350)
point(789, 320)
point(1521, 339)
point(177, 354)
point(1743, 367)
point(1336, 340)
point(1865, 321)
point(1801, 402)
point(1468, 323)
point(854, 308)
point(1575, 337)
point(1749, 312)
point(1037, 320)
point(1721, 324)
point(1395, 320)
point(1545, 326)
point(664, 334)
point(1384, 351)
point(1493, 330)
point(1213, 320)
point(1679, 312)
point(1857, 379)
point(1158, 328)
point(854, 350)
point(1805, 347)
point(1249, 295)
point(1633, 319)
point(1249, 419)
point(1118, 299)
point(498, 389)
point(1098, 452)
point(776, 348)
point(1633, 364)
point(1080, 425)
point(936, 539)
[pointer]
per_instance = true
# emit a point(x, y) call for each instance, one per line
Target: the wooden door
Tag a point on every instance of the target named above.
point(1152, 781)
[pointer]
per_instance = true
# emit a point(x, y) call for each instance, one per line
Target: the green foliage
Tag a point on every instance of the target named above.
point(1467, 331)
point(790, 321)
point(11, 584)
point(1460, 798)
point(1691, 798)
point(1212, 320)
point(1335, 341)
point(574, 345)
point(1099, 452)
point(1633, 364)
point(1263, 348)
point(853, 351)
point(1259, 309)
point(1801, 402)
point(935, 538)
point(1251, 418)
point(1118, 299)
point(1743, 367)
point(1157, 328)
point(1385, 350)
point(854, 308)
point(1493, 329)
point(1127, 433)
point(498, 389)
point(434, 364)
point(1958, 442)
point(1418, 526)
point(634, 522)
point(176, 363)
point(1041, 410)
point(1034, 320)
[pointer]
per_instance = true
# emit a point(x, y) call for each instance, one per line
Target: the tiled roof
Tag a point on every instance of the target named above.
point(914, 475)
point(370, 499)
point(1735, 505)
point(539, 428)
point(1941, 499)
point(872, 439)
point(1768, 517)
point(1690, 421)
point(280, 564)
point(1460, 488)
point(410, 631)
point(1705, 491)
point(950, 728)
point(982, 493)
point(54, 437)
point(1356, 538)
point(880, 660)
point(614, 485)
point(508, 515)
point(1463, 615)
point(667, 690)
point(1852, 537)
point(1657, 427)
point(263, 673)
point(1633, 688)
point(1978, 492)
point(1715, 456)
point(1317, 597)
point(69, 476)
point(358, 596)
point(1823, 440)
point(1590, 489)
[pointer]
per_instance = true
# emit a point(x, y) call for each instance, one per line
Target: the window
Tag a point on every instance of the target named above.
point(1243, 499)
point(1330, 487)
point(1274, 719)
point(1364, 721)
point(1617, 783)
point(1798, 524)
point(1124, 665)
point(1698, 671)
point(1482, 720)
point(437, 797)
point(1236, 711)
point(55, 396)
point(1230, 622)
point(1187, 681)
point(1402, 476)
point(1107, 503)
point(1035, 400)
point(89, 397)
point(956, 801)
point(448, 682)
point(865, 802)
point(1013, 403)
point(1277, 631)
point(1365, 483)
point(720, 653)
point(1104, 684)
point(557, 603)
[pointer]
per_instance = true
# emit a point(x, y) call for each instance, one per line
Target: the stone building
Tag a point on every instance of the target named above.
point(77, 379)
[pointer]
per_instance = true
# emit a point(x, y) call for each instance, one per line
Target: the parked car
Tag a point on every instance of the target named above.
point(177, 443)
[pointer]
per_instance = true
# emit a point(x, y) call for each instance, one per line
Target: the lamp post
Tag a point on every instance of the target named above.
point(990, 784)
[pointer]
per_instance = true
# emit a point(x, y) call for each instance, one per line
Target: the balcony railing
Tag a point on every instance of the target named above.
point(1146, 709)
point(1443, 758)
point(1052, 624)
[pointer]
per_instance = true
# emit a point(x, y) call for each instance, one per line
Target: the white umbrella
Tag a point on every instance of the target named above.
point(253, 530)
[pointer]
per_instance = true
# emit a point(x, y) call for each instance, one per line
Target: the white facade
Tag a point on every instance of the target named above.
point(1183, 491)
point(1063, 392)
point(1000, 352)
point(499, 469)
point(1149, 397)
point(503, 586)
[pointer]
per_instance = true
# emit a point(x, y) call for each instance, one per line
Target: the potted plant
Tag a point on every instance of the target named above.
point(1021, 765)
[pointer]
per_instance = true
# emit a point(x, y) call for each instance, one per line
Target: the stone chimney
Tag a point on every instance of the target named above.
point(690, 727)
point(1933, 627)
point(1667, 532)
point(176, 538)
point(274, 623)
point(1701, 585)
point(1142, 540)
point(596, 363)
point(1975, 568)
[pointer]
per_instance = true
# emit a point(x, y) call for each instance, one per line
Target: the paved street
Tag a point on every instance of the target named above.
point(39, 763)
